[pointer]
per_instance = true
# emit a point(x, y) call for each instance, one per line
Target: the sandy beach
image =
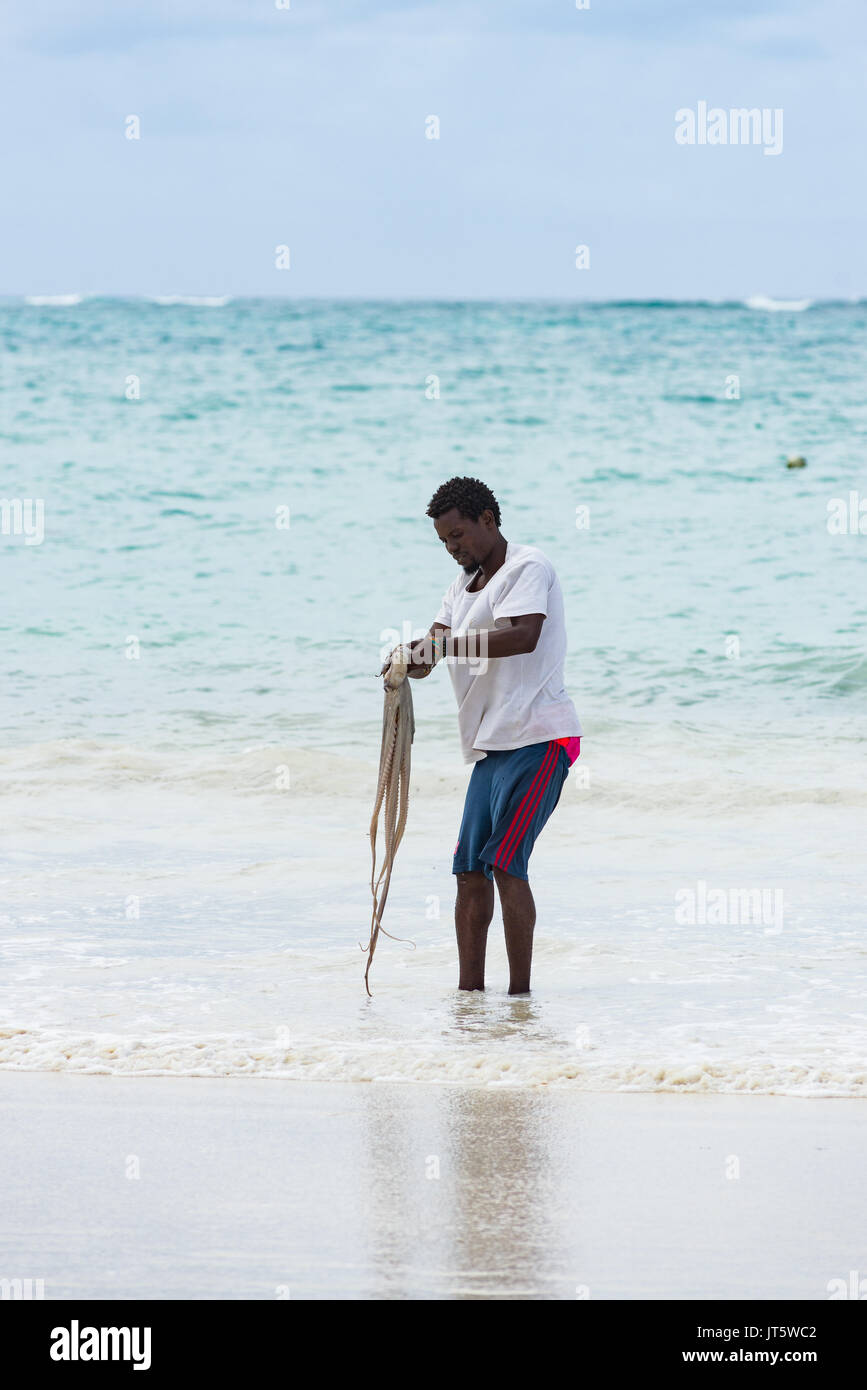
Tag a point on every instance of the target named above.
point(253, 1189)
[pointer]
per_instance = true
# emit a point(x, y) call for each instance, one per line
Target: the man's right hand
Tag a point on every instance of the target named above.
point(418, 668)
point(413, 668)
point(417, 672)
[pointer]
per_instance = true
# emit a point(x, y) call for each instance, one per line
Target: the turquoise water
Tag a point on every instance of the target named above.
point(160, 511)
point(191, 713)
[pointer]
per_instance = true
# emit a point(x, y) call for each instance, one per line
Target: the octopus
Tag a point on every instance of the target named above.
point(392, 790)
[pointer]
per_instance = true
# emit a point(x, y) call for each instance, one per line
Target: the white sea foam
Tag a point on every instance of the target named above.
point(763, 301)
point(625, 771)
point(209, 1055)
point(54, 301)
point(154, 894)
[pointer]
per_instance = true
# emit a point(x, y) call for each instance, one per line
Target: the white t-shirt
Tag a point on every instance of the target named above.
point(517, 700)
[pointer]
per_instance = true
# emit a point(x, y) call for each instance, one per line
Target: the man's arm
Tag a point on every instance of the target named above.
point(521, 636)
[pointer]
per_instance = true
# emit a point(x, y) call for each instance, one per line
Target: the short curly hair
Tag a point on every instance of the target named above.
point(469, 495)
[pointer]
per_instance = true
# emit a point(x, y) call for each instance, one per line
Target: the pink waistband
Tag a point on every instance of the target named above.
point(572, 746)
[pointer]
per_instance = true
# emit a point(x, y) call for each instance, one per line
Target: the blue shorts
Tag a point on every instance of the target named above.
point(512, 793)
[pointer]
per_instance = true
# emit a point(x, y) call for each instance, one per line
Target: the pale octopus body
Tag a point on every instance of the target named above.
point(398, 730)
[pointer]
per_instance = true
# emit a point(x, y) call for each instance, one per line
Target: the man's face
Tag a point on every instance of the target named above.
point(468, 542)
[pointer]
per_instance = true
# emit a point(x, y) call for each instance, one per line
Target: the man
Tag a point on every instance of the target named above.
point(501, 627)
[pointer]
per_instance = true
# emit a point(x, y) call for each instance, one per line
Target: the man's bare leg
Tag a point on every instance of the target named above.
point(474, 908)
point(519, 919)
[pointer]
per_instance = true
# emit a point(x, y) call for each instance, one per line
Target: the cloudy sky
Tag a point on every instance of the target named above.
point(306, 127)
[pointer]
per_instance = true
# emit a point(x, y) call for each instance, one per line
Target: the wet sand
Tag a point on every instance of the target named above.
point(256, 1189)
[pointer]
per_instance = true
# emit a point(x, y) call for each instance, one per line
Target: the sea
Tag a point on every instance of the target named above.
point(212, 527)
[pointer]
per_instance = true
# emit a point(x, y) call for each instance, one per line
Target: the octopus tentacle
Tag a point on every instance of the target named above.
point(392, 791)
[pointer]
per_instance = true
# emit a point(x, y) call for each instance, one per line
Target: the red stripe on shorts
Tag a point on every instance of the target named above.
point(522, 816)
point(532, 810)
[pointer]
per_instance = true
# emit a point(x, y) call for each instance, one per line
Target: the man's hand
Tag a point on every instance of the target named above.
point(419, 652)
point(418, 666)
point(417, 670)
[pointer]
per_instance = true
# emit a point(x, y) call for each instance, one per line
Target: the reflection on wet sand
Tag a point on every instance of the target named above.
point(462, 1197)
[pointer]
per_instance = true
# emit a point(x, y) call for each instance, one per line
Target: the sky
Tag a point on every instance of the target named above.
point(306, 127)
